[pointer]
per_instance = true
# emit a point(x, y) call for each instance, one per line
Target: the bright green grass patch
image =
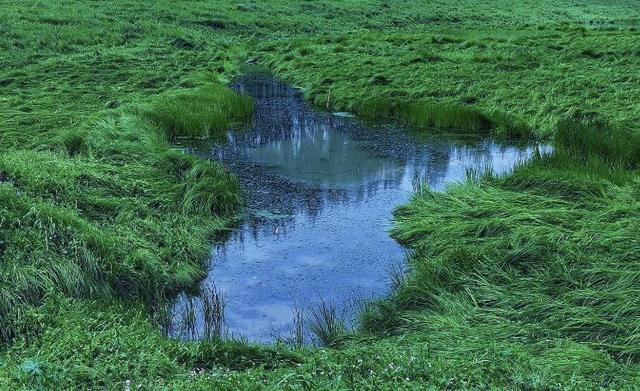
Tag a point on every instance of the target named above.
point(201, 112)
point(109, 211)
point(440, 115)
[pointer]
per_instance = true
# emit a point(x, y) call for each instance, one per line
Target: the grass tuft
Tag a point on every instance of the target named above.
point(198, 113)
point(325, 324)
point(209, 189)
point(585, 140)
point(445, 116)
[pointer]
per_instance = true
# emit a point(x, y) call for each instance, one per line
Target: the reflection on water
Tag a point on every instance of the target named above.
point(321, 191)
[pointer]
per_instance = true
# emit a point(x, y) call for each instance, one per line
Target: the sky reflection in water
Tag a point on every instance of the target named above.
point(321, 191)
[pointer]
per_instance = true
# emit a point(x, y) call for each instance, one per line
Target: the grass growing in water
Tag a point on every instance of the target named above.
point(617, 146)
point(325, 323)
point(428, 114)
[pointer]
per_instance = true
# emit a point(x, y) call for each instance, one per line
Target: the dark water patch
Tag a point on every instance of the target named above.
point(321, 190)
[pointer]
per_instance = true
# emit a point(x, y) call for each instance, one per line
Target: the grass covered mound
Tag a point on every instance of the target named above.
point(109, 211)
point(527, 281)
point(203, 112)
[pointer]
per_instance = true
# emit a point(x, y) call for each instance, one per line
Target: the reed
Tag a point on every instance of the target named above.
point(213, 307)
point(397, 276)
point(298, 328)
point(326, 324)
point(189, 319)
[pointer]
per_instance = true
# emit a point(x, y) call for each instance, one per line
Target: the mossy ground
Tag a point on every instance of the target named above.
point(529, 281)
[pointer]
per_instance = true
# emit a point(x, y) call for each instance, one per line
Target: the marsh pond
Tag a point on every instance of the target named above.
point(321, 190)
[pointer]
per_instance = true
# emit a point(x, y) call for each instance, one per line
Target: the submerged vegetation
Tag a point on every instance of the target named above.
point(526, 281)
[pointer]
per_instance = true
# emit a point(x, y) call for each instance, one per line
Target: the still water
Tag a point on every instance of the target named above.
point(321, 190)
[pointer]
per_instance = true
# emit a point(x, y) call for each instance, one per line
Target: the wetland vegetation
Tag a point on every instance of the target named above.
point(524, 280)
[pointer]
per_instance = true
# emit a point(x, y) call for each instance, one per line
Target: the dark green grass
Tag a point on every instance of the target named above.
point(527, 281)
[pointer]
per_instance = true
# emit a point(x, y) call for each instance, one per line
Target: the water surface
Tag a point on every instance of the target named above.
point(321, 189)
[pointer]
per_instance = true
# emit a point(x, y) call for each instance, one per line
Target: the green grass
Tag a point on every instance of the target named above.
point(202, 112)
point(546, 257)
point(618, 146)
point(128, 217)
point(527, 281)
point(471, 76)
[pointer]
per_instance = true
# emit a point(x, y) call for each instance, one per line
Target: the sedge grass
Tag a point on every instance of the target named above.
point(199, 113)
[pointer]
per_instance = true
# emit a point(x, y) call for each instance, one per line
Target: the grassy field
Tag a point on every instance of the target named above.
point(528, 281)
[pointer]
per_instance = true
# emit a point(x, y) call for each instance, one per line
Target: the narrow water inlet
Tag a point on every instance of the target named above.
point(321, 190)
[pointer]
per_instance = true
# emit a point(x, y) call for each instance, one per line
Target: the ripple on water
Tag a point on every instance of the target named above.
point(322, 188)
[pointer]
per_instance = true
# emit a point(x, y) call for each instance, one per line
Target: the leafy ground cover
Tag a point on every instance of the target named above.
point(528, 281)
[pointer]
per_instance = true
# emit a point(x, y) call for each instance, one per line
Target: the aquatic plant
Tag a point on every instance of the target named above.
point(298, 328)
point(397, 276)
point(213, 306)
point(189, 319)
point(325, 323)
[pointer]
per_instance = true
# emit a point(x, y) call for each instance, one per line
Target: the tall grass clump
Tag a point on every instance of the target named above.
point(213, 312)
point(209, 188)
point(374, 108)
point(448, 116)
point(445, 116)
point(616, 145)
point(200, 112)
point(298, 328)
point(326, 324)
